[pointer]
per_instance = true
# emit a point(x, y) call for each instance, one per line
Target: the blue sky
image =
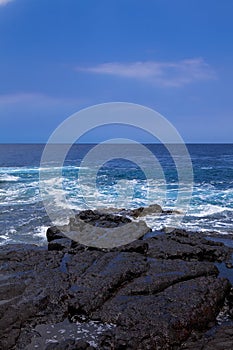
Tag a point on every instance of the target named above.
point(59, 56)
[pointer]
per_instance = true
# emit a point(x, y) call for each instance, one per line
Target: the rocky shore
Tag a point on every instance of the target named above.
point(162, 291)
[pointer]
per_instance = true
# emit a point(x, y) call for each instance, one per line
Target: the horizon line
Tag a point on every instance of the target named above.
point(97, 143)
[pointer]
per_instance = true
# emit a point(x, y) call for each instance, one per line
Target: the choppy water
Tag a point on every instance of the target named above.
point(118, 183)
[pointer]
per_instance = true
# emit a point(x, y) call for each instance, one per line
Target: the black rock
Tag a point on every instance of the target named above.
point(217, 338)
point(157, 293)
point(229, 265)
point(53, 233)
point(70, 344)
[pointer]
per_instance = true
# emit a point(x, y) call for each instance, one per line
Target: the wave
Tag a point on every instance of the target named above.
point(208, 210)
point(37, 169)
point(9, 178)
point(13, 170)
point(40, 231)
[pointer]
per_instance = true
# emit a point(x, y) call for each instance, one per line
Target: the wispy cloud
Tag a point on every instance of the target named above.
point(4, 2)
point(168, 74)
point(38, 99)
point(23, 97)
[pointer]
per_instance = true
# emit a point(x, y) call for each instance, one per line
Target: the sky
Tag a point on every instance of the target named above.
point(59, 56)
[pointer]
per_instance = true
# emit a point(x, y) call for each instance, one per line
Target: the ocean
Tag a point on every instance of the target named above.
point(23, 218)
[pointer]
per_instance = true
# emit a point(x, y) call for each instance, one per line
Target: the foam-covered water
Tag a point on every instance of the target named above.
point(119, 183)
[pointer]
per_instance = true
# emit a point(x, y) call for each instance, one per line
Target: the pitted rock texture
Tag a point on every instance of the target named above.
point(156, 292)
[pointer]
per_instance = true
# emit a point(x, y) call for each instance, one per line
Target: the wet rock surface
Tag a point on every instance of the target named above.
point(154, 293)
point(93, 228)
point(218, 338)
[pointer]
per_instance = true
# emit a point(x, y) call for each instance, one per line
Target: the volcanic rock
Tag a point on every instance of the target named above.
point(153, 293)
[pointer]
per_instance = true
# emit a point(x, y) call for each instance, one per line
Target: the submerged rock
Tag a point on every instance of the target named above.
point(153, 293)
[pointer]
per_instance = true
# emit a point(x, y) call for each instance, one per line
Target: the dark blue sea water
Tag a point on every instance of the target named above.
point(119, 183)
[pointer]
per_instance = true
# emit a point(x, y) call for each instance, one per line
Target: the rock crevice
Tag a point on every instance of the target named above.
point(154, 293)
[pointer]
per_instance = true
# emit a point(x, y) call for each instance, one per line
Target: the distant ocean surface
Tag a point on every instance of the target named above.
point(23, 218)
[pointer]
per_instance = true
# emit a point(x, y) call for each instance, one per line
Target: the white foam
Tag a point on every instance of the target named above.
point(9, 178)
point(207, 210)
point(3, 237)
point(12, 231)
point(40, 231)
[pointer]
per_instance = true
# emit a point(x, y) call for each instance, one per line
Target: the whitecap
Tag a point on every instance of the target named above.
point(9, 178)
point(40, 231)
point(207, 210)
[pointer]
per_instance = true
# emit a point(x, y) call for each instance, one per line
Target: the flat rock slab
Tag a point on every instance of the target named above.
point(164, 320)
point(180, 244)
point(154, 293)
point(219, 338)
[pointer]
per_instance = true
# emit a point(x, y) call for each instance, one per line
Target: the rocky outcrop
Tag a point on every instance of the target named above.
point(153, 209)
point(106, 230)
point(155, 293)
point(218, 338)
point(180, 244)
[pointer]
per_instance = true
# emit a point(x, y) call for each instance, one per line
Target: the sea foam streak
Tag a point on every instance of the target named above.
point(9, 178)
point(117, 185)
